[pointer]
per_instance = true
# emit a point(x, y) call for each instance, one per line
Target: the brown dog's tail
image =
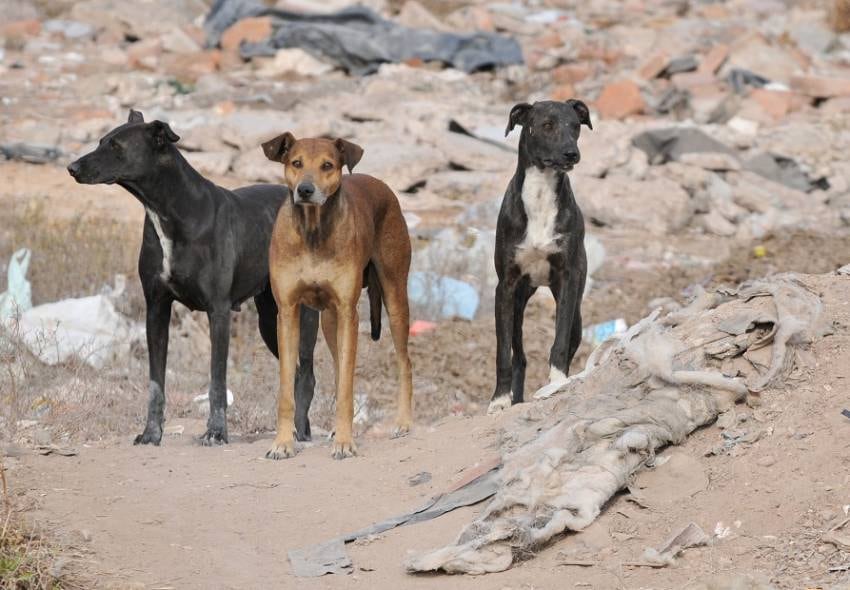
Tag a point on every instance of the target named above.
point(373, 286)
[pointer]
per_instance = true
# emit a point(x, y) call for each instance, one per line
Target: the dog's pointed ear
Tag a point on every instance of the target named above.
point(351, 153)
point(582, 111)
point(518, 116)
point(275, 149)
point(162, 133)
point(135, 117)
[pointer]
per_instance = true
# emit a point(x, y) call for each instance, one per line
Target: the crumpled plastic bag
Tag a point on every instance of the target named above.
point(18, 295)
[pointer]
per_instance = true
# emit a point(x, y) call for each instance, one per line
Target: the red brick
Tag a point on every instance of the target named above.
point(551, 40)
point(620, 100)
point(820, 86)
point(252, 30)
point(144, 53)
point(777, 104)
point(20, 28)
point(653, 66)
point(714, 59)
point(571, 73)
point(188, 67)
point(563, 92)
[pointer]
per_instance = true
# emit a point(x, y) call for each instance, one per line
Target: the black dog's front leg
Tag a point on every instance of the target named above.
point(505, 293)
point(567, 327)
point(220, 338)
point(157, 320)
point(305, 381)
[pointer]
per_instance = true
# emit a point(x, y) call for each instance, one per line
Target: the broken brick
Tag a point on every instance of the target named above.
point(820, 86)
point(714, 59)
point(252, 30)
point(620, 100)
point(653, 67)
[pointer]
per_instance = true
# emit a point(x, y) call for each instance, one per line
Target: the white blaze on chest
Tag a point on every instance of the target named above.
point(164, 242)
point(539, 199)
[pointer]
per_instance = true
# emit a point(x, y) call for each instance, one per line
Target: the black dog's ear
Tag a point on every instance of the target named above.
point(162, 133)
point(276, 148)
point(518, 116)
point(351, 153)
point(582, 111)
point(135, 117)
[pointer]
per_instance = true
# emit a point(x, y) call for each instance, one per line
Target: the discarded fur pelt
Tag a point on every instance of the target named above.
point(652, 387)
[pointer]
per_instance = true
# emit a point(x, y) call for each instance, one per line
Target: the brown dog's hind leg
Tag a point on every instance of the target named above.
point(347, 323)
point(288, 328)
point(399, 314)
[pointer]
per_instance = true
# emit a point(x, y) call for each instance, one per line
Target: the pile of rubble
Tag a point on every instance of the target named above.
point(728, 118)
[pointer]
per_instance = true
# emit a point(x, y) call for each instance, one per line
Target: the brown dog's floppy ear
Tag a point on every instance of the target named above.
point(135, 117)
point(163, 134)
point(518, 116)
point(276, 148)
point(582, 111)
point(351, 153)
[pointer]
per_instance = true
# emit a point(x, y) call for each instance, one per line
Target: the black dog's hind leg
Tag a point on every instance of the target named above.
point(305, 381)
point(523, 294)
point(505, 293)
point(157, 320)
point(220, 339)
point(267, 318)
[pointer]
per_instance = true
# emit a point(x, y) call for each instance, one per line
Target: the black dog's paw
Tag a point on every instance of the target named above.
point(214, 436)
point(151, 436)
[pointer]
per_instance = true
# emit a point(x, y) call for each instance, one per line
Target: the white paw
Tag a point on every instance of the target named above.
point(499, 404)
point(557, 380)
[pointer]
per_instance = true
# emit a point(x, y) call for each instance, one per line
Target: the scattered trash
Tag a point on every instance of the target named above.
point(205, 397)
point(834, 537)
point(89, 328)
point(690, 536)
point(32, 154)
point(844, 270)
point(740, 80)
point(359, 40)
point(663, 145)
point(845, 413)
point(420, 327)
point(419, 478)
point(785, 171)
point(477, 486)
point(596, 334)
point(759, 251)
point(721, 531)
point(317, 560)
point(18, 295)
point(451, 297)
point(576, 459)
point(54, 450)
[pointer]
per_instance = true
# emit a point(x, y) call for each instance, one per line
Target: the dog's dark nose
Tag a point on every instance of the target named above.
point(74, 169)
point(306, 190)
point(572, 156)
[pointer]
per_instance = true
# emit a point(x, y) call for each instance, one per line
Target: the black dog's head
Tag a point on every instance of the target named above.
point(127, 153)
point(550, 132)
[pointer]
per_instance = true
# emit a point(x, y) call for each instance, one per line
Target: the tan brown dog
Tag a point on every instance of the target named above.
point(334, 235)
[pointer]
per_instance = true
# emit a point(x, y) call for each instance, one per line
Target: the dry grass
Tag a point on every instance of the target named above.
point(27, 560)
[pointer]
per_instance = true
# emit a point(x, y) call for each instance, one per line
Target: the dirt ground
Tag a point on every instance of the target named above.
point(183, 516)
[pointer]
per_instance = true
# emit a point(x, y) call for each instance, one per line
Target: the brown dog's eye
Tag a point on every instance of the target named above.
point(296, 164)
point(327, 166)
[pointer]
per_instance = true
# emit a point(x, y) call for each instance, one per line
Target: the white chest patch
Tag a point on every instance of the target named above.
point(540, 202)
point(166, 244)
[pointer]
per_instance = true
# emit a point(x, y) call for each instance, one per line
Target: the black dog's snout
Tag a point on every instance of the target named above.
point(572, 156)
point(74, 168)
point(306, 190)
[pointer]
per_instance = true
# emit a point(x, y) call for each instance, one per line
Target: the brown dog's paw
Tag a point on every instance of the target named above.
point(343, 450)
point(401, 430)
point(281, 450)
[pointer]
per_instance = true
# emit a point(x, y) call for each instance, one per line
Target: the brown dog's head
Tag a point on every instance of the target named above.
point(312, 168)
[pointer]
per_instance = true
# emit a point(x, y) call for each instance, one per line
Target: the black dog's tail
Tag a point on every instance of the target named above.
point(373, 287)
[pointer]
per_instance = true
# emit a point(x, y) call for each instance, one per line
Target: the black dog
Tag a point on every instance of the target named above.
point(540, 242)
point(204, 246)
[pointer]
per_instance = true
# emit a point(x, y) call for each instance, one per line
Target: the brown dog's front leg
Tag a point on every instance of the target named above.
point(347, 322)
point(288, 328)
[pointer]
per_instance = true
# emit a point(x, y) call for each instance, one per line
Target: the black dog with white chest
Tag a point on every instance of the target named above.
point(540, 242)
point(204, 246)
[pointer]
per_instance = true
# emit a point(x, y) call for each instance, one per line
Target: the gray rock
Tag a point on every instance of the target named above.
point(70, 29)
point(210, 163)
point(253, 166)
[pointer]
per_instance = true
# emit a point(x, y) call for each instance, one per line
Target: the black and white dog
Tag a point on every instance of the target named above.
point(204, 246)
point(540, 242)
